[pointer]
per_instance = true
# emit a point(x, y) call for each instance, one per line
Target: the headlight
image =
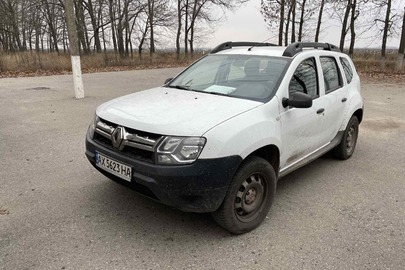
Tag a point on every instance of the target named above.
point(93, 125)
point(180, 150)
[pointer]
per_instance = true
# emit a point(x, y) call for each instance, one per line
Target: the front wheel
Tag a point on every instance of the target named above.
point(249, 197)
point(346, 147)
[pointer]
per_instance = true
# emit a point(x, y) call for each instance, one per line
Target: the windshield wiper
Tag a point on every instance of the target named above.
point(182, 87)
point(216, 93)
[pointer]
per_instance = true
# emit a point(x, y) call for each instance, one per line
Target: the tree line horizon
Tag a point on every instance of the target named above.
point(135, 26)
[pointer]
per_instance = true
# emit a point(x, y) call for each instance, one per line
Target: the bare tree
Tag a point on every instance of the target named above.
point(280, 31)
point(11, 39)
point(151, 18)
point(385, 34)
point(401, 50)
point(293, 4)
point(302, 19)
point(95, 10)
point(355, 14)
point(186, 24)
point(344, 29)
point(386, 23)
point(159, 15)
point(51, 10)
point(180, 7)
point(197, 15)
point(287, 16)
point(111, 11)
point(273, 12)
point(318, 25)
point(142, 30)
point(287, 24)
point(74, 50)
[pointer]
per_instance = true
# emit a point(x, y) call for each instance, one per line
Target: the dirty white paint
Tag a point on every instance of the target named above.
point(173, 112)
point(77, 77)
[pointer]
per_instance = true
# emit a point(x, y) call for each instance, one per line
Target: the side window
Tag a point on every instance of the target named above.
point(305, 79)
point(347, 69)
point(331, 75)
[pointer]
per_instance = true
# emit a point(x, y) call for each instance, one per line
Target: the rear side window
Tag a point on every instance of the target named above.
point(331, 75)
point(347, 69)
point(305, 79)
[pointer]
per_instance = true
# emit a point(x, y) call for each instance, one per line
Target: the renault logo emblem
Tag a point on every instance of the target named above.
point(118, 137)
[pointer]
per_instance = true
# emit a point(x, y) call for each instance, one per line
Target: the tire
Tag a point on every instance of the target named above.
point(249, 197)
point(346, 147)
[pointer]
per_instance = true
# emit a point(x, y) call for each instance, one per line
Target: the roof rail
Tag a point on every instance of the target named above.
point(230, 45)
point(297, 47)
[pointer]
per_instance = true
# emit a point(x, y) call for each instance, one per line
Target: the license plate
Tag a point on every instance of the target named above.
point(117, 168)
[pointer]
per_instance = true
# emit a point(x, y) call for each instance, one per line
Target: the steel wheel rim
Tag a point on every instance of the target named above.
point(249, 198)
point(351, 139)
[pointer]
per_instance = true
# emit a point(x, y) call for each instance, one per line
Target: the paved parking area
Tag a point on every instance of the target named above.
point(57, 212)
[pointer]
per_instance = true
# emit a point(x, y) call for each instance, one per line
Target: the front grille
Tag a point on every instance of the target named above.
point(133, 143)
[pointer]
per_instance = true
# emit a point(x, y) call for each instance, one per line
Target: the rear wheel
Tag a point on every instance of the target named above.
point(249, 197)
point(346, 147)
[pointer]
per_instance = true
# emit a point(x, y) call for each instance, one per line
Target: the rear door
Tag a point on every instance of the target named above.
point(334, 98)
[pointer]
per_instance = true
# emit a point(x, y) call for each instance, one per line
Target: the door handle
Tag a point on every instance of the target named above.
point(344, 99)
point(320, 111)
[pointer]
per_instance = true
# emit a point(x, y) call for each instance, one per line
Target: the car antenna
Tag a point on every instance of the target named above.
point(259, 43)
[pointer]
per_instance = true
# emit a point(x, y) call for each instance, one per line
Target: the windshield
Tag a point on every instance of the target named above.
point(243, 76)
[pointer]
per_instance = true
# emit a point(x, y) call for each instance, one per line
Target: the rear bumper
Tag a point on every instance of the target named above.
point(198, 187)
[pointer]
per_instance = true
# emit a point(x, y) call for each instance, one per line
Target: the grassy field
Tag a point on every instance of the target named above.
point(367, 60)
point(37, 63)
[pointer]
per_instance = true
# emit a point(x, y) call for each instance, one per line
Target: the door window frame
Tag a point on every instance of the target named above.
point(339, 73)
point(317, 95)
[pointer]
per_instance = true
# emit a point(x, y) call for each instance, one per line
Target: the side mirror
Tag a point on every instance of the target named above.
point(168, 80)
point(298, 100)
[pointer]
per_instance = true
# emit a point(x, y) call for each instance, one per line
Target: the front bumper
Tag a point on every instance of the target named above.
point(198, 187)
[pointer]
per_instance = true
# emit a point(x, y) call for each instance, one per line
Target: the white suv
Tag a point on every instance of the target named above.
point(217, 137)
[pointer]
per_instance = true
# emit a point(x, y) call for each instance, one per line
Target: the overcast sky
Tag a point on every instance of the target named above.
point(247, 24)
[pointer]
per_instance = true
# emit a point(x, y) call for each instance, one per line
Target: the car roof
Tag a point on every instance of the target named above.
point(269, 49)
point(265, 51)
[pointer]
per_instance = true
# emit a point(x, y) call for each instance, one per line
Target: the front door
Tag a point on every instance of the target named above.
point(301, 128)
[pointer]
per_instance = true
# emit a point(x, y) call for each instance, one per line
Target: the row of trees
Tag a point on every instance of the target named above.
point(122, 25)
point(135, 25)
point(298, 20)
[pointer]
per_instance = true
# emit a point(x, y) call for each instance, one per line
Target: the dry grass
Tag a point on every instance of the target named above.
point(33, 63)
point(38, 63)
point(369, 61)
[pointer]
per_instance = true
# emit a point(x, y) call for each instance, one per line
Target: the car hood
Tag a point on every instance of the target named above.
point(169, 111)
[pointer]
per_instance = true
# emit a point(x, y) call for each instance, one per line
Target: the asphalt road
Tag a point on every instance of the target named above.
point(57, 212)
